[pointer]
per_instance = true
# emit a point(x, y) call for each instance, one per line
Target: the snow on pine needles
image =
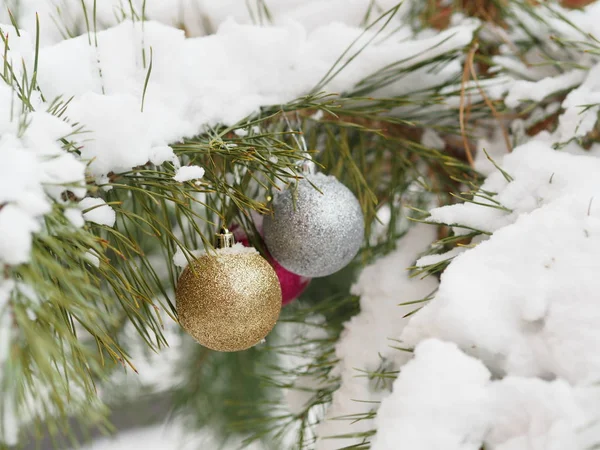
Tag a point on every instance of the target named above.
point(112, 101)
point(446, 399)
point(504, 352)
point(524, 301)
point(522, 297)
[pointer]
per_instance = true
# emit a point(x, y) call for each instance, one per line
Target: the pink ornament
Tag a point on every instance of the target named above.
point(292, 285)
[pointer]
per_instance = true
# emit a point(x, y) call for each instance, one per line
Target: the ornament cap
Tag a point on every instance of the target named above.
point(224, 238)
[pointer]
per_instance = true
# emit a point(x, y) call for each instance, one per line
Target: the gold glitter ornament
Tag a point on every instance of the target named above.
point(228, 300)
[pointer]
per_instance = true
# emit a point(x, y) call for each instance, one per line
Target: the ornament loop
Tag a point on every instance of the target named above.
point(224, 238)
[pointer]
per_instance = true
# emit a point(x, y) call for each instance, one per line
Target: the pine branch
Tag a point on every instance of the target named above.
point(372, 142)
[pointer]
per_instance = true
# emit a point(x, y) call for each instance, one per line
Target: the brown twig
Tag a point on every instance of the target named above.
point(461, 109)
point(489, 103)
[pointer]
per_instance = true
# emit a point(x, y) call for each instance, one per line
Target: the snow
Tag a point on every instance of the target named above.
point(311, 13)
point(442, 387)
point(75, 217)
point(305, 387)
point(367, 339)
point(6, 287)
point(198, 17)
point(445, 399)
point(155, 371)
point(554, 20)
point(92, 258)
point(437, 258)
point(167, 436)
point(97, 211)
point(579, 27)
point(107, 81)
point(118, 139)
point(541, 176)
point(16, 228)
point(518, 305)
point(154, 438)
point(522, 91)
point(35, 174)
point(530, 413)
point(523, 301)
point(581, 109)
point(8, 425)
point(495, 147)
point(432, 140)
point(180, 260)
point(188, 173)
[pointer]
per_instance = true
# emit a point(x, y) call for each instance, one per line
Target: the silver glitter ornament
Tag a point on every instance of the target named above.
point(312, 233)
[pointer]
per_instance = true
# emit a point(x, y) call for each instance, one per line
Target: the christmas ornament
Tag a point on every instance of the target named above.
point(292, 285)
point(317, 226)
point(230, 300)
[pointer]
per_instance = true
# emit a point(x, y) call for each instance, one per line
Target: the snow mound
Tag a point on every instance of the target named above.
point(524, 301)
point(445, 399)
point(441, 388)
point(126, 121)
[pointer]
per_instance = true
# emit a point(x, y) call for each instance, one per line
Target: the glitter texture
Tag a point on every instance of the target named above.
point(312, 233)
point(228, 301)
